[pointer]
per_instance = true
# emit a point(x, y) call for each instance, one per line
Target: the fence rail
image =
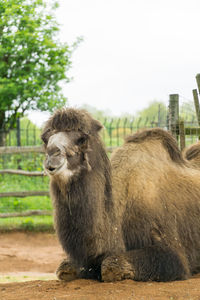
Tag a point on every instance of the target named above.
point(30, 149)
point(23, 194)
point(21, 149)
point(21, 172)
point(14, 158)
point(27, 213)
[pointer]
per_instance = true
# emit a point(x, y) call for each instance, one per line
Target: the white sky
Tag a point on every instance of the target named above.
point(134, 51)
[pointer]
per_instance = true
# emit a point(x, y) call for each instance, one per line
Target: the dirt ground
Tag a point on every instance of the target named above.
point(29, 257)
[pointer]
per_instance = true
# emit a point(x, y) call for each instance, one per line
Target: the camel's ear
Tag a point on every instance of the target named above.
point(45, 136)
point(96, 125)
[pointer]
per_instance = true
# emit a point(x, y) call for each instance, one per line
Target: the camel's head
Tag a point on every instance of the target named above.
point(65, 153)
point(66, 136)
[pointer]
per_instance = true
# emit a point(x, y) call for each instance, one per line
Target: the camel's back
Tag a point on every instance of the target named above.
point(144, 174)
point(192, 155)
point(146, 171)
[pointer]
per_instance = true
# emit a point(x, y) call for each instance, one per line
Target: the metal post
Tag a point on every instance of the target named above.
point(159, 116)
point(174, 114)
point(18, 133)
point(198, 82)
point(182, 134)
point(196, 104)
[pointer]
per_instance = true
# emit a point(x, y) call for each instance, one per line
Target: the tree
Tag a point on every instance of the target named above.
point(100, 115)
point(32, 61)
point(187, 111)
point(156, 112)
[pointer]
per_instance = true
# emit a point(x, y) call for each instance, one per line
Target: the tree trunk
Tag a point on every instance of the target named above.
point(2, 129)
point(2, 138)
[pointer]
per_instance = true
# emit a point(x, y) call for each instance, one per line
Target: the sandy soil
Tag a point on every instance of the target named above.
point(36, 256)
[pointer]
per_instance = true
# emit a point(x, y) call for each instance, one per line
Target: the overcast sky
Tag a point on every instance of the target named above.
point(134, 51)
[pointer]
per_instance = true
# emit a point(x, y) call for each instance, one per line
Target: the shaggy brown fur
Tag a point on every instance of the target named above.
point(192, 154)
point(70, 120)
point(146, 227)
point(157, 197)
point(84, 214)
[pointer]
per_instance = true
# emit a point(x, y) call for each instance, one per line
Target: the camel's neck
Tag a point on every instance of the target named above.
point(82, 214)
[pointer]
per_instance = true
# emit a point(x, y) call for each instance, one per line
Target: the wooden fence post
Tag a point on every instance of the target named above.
point(196, 99)
point(174, 114)
point(196, 104)
point(182, 134)
point(198, 82)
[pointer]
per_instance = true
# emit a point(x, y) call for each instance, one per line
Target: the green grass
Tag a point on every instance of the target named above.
point(10, 182)
point(34, 223)
point(21, 277)
point(14, 204)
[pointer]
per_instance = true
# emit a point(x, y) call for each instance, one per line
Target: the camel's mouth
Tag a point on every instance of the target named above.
point(54, 170)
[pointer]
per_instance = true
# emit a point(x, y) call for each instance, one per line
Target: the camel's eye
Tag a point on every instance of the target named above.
point(82, 140)
point(53, 151)
point(56, 153)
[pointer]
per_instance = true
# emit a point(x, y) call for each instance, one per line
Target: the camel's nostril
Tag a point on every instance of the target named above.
point(51, 169)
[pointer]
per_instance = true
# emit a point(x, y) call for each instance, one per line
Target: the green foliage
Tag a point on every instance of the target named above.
point(26, 161)
point(27, 224)
point(29, 134)
point(20, 182)
point(98, 114)
point(14, 204)
point(10, 183)
point(155, 114)
point(187, 112)
point(32, 61)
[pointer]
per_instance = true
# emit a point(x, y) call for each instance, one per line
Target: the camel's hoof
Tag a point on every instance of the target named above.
point(66, 271)
point(116, 268)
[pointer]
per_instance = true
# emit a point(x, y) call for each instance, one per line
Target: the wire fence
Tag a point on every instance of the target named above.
point(113, 134)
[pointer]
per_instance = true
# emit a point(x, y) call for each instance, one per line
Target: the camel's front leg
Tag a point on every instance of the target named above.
point(67, 271)
point(157, 262)
point(116, 268)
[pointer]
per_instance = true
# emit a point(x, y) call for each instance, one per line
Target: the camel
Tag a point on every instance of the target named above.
point(141, 223)
point(157, 196)
point(80, 188)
